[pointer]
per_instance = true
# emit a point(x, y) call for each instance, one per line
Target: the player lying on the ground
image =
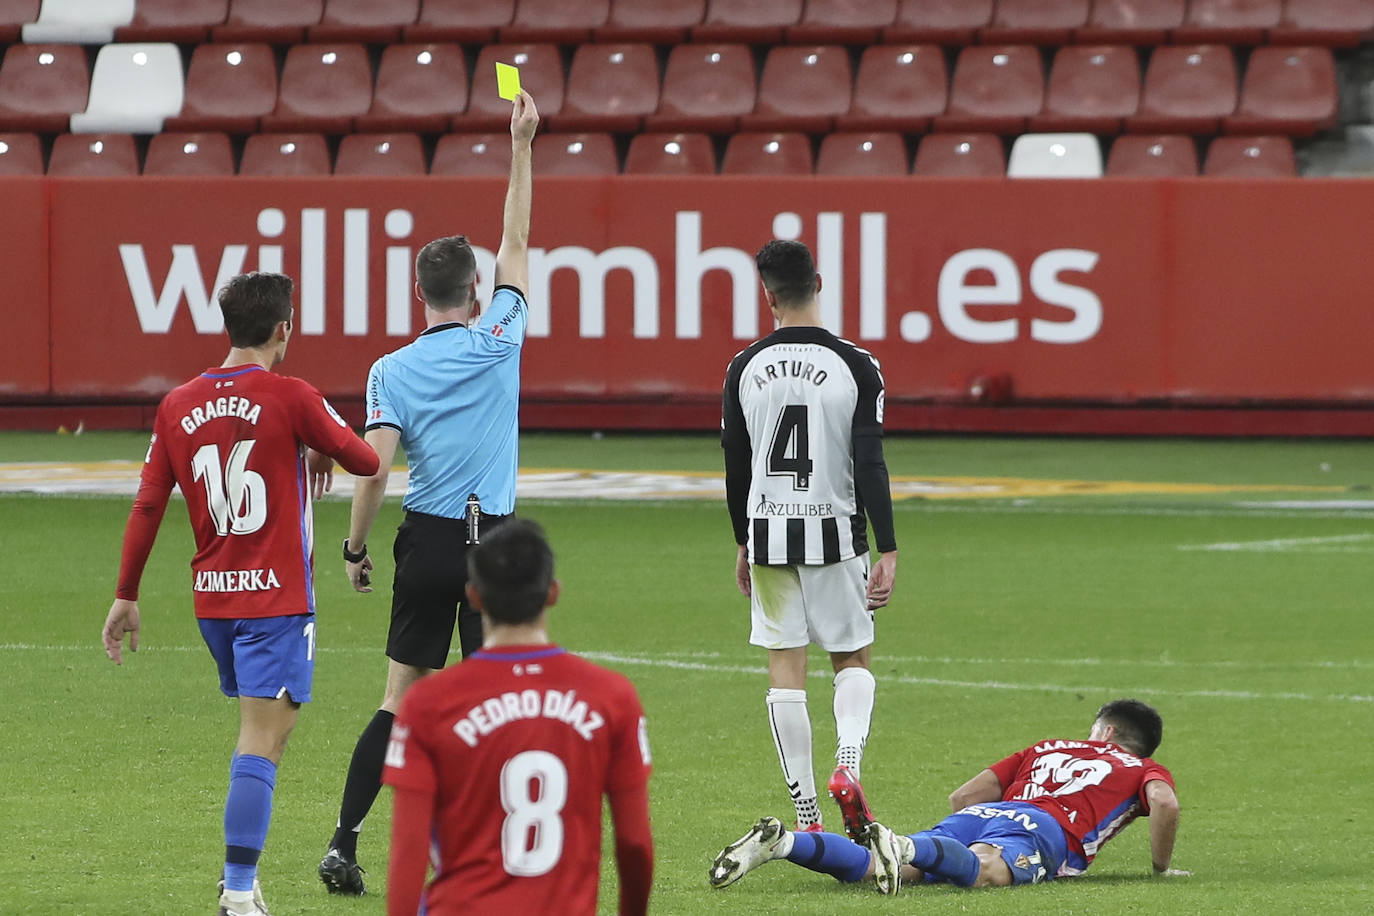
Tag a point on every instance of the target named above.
point(1044, 812)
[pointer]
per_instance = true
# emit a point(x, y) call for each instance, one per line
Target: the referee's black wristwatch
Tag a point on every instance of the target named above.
point(352, 557)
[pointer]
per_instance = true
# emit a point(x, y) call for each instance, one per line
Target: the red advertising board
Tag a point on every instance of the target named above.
point(24, 286)
point(1114, 291)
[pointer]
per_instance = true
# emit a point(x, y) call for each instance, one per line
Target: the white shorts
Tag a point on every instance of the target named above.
point(793, 606)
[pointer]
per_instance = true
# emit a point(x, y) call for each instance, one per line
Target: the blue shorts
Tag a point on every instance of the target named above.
point(1031, 840)
point(264, 657)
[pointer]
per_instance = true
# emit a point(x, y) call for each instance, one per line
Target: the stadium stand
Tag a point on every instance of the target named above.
point(871, 154)
point(189, 154)
point(20, 154)
point(1251, 157)
point(14, 14)
point(898, 87)
point(781, 153)
point(1065, 155)
point(276, 21)
point(671, 154)
point(471, 155)
point(134, 88)
point(995, 89)
point(380, 154)
point(420, 87)
point(229, 87)
point(1164, 156)
point(1340, 23)
point(583, 154)
point(41, 85)
point(1037, 22)
point(323, 88)
point(803, 88)
point(285, 155)
point(94, 156)
point(1188, 89)
point(706, 87)
point(1134, 22)
point(611, 87)
point(1091, 88)
point(961, 155)
point(942, 22)
point(1235, 22)
point(541, 72)
point(1287, 90)
point(846, 22)
point(751, 21)
point(90, 22)
point(181, 21)
point(663, 22)
point(460, 21)
point(556, 21)
point(364, 20)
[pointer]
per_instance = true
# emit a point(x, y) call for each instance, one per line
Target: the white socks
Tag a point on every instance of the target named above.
point(854, 690)
point(791, 727)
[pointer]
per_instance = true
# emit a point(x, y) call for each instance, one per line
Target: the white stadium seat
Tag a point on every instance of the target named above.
point(134, 88)
point(1055, 156)
point(87, 22)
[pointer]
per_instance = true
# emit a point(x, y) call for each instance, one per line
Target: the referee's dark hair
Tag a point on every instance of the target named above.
point(253, 304)
point(1139, 728)
point(511, 570)
point(445, 270)
point(788, 271)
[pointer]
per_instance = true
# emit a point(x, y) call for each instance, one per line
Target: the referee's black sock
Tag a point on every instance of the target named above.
point(363, 783)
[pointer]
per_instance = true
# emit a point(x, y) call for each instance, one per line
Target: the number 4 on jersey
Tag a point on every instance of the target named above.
point(790, 453)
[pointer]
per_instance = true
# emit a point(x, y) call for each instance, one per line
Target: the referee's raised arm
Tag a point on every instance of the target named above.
point(512, 258)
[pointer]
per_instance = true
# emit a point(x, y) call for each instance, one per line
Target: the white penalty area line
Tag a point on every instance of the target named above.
point(1339, 542)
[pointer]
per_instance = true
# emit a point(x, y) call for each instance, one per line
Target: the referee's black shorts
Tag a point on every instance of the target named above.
point(427, 590)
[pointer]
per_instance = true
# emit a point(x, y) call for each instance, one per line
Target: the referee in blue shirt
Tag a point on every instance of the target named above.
point(450, 397)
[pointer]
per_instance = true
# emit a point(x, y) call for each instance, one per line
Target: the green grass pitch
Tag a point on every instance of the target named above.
point(1013, 619)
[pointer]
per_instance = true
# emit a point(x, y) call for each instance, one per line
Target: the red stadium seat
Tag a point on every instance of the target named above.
point(181, 21)
point(380, 154)
point(664, 22)
point(556, 21)
point(323, 88)
point(460, 21)
point(229, 87)
point(541, 74)
point(1187, 90)
point(276, 21)
point(1287, 91)
point(961, 155)
point(941, 22)
point(846, 22)
point(874, 153)
point(1135, 22)
point(575, 155)
point(803, 88)
point(41, 85)
point(1091, 88)
point(671, 154)
point(706, 87)
point(610, 87)
point(1251, 157)
point(364, 20)
point(94, 155)
point(898, 87)
point(1037, 22)
point(292, 155)
point(752, 153)
point(472, 154)
point(189, 154)
point(1162, 156)
point(750, 21)
point(995, 88)
point(420, 87)
point(1233, 22)
point(20, 154)
point(1341, 23)
point(14, 14)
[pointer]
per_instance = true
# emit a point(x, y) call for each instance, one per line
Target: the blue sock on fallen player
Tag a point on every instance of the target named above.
point(830, 854)
point(946, 859)
point(247, 812)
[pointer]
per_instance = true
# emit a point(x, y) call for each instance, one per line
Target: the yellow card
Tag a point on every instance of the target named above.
point(507, 81)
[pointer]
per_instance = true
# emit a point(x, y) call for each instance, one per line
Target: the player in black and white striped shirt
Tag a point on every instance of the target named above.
point(802, 430)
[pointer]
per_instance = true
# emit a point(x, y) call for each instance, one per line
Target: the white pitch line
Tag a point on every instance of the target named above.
point(1279, 544)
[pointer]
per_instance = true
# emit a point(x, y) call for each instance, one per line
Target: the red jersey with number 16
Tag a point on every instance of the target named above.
point(518, 745)
point(234, 440)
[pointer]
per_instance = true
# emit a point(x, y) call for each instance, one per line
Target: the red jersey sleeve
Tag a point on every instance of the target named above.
point(154, 488)
point(630, 757)
point(321, 428)
point(1006, 769)
point(409, 763)
point(1153, 771)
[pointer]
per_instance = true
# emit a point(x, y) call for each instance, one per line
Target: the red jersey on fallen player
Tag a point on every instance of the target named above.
point(518, 745)
point(1092, 788)
point(234, 441)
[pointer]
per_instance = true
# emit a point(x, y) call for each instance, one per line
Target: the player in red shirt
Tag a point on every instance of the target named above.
point(248, 449)
point(501, 762)
point(1041, 813)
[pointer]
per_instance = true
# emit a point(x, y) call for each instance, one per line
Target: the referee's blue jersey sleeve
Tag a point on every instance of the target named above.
point(503, 323)
point(380, 409)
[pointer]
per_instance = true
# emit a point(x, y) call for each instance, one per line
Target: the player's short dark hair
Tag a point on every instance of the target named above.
point(512, 569)
point(788, 271)
point(253, 304)
point(445, 269)
point(1139, 728)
